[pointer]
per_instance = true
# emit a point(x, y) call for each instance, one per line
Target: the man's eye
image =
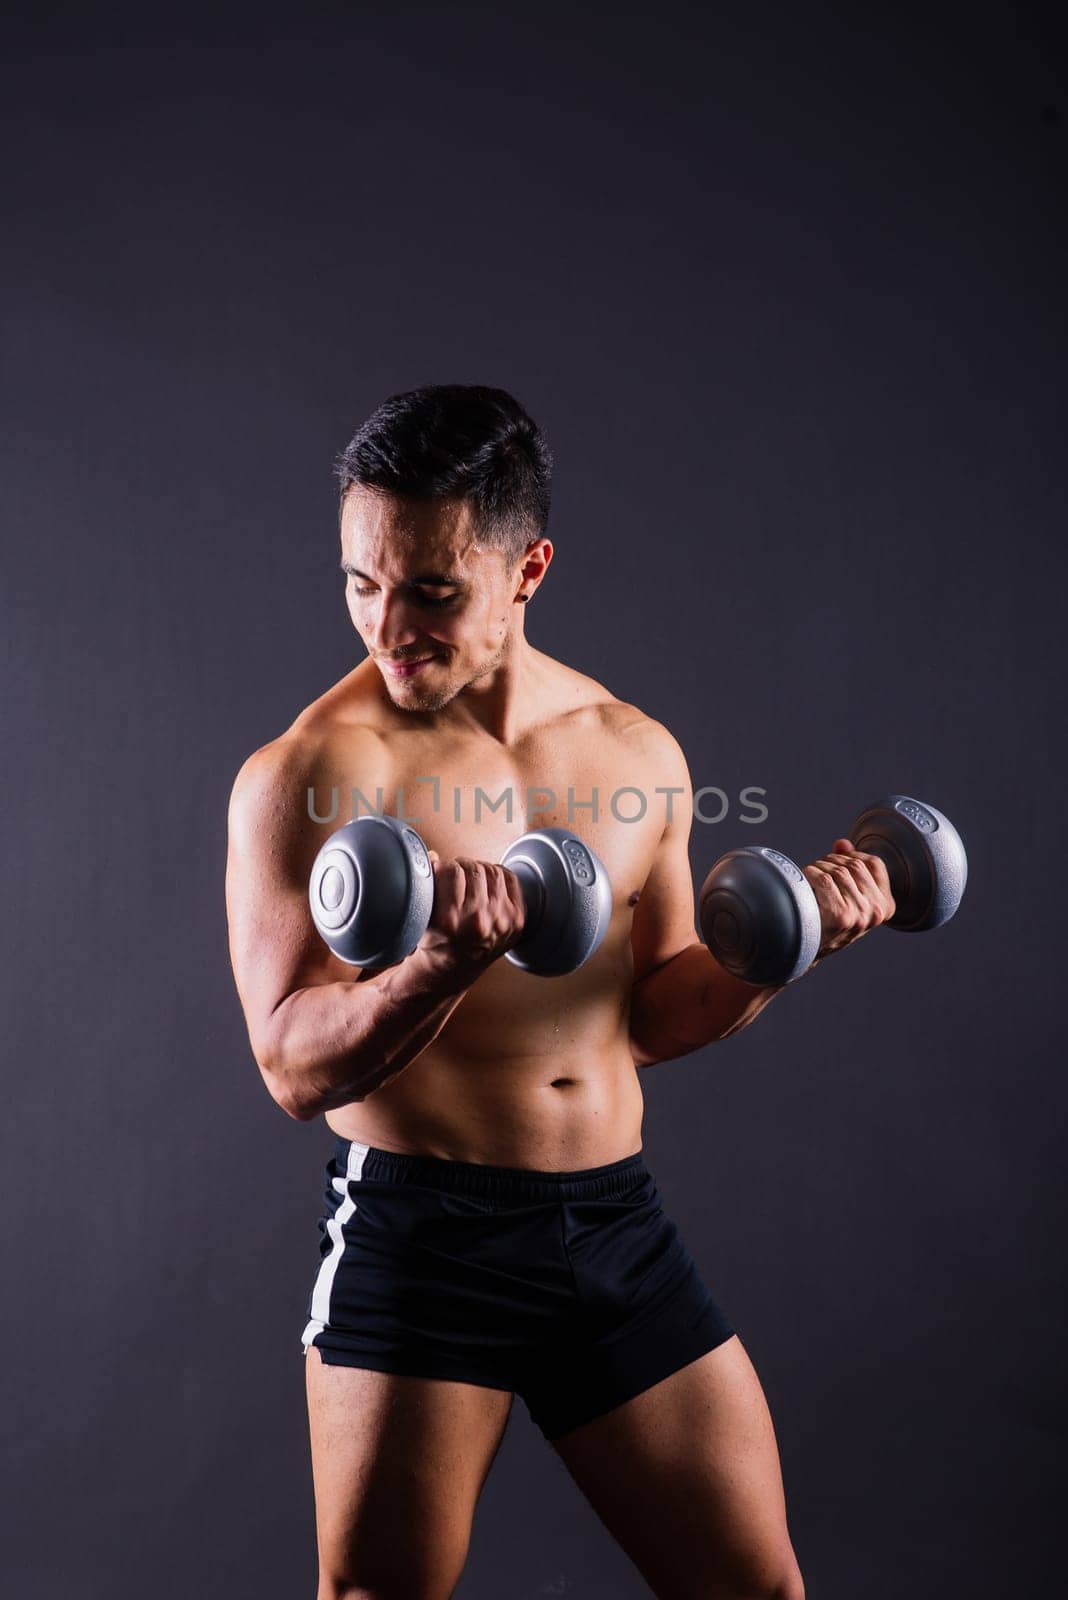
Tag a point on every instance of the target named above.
point(424, 599)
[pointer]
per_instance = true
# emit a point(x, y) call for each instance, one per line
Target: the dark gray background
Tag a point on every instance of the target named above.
point(784, 286)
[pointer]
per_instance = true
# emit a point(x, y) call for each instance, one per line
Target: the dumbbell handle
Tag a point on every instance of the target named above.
point(533, 892)
point(568, 898)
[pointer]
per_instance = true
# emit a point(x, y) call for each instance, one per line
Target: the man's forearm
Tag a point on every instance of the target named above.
point(689, 1002)
point(338, 1042)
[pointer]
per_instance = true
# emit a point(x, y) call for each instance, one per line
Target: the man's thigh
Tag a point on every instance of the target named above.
point(686, 1478)
point(397, 1464)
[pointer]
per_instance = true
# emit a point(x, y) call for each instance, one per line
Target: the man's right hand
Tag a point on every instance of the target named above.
point(479, 913)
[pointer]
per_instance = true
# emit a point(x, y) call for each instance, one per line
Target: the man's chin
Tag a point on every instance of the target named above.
point(408, 695)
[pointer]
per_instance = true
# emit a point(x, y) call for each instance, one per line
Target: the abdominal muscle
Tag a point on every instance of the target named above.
point(527, 1072)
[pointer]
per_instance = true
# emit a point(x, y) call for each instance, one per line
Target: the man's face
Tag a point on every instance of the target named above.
point(422, 588)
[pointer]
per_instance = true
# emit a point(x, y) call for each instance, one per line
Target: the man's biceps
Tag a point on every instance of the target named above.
point(664, 918)
point(271, 977)
point(269, 860)
point(273, 927)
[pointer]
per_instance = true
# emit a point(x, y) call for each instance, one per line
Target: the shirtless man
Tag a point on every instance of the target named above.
point(489, 1225)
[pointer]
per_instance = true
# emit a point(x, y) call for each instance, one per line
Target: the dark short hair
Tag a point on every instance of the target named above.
point(458, 441)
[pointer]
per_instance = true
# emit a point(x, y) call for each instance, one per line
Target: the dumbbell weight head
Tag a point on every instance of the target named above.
point(371, 891)
point(924, 857)
point(759, 917)
point(568, 899)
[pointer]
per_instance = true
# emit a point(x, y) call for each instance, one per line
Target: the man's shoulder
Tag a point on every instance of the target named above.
point(584, 698)
point(653, 754)
point(346, 716)
point(601, 718)
point(641, 733)
point(577, 696)
point(314, 750)
point(351, 707)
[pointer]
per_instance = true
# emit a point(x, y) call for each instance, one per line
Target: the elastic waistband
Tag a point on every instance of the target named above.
point(369, 1163)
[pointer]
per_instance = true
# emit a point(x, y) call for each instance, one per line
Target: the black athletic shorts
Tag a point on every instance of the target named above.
point(571, 1289)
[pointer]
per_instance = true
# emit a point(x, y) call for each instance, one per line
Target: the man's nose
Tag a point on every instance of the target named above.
point(394, 623)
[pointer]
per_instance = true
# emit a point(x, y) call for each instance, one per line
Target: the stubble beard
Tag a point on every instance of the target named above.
point(419, 698)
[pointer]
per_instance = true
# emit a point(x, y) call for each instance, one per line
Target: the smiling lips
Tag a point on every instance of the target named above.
point(405, 669)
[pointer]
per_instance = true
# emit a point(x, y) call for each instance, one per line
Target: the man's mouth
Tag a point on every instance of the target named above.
point(407, 667)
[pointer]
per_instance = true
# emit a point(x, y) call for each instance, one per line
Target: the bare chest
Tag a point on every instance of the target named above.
point(472, 798)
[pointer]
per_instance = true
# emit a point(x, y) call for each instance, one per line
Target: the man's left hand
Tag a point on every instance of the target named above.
point(852, 891)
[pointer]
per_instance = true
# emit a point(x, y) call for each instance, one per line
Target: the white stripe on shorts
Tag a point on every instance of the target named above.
point(324, 1283)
